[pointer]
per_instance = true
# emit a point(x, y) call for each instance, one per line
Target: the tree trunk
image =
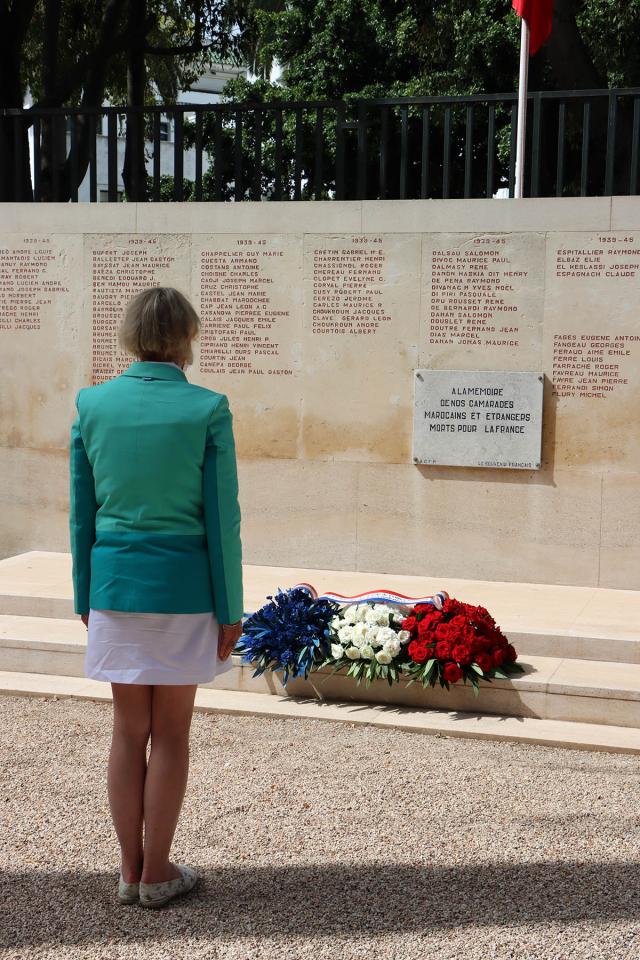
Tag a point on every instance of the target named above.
point(15, 169)
point(134, 171)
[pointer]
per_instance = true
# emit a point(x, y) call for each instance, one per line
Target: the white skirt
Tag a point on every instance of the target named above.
point(167, 648)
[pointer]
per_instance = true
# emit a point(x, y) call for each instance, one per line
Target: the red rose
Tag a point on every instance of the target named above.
point(484, 661)
point(425, 628)
point(452, 607)
point(510, 654)
point(451, 672)
point(443, 650)
point(469, 634)
point(418, 651)
point(423, 608)
point(498, 657)
point(458, 623)
point(409, 623)
point(444, 632)
point(461, 654)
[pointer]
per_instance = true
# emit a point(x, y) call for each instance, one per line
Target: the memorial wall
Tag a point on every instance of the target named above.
point(447, 388)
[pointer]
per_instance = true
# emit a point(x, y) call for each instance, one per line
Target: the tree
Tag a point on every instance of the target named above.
point(77, 53)
point(358, 49)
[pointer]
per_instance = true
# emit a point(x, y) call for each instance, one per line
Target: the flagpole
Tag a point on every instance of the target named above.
point(522, 107)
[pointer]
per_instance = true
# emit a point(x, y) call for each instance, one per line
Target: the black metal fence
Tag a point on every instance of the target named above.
point(579, 143)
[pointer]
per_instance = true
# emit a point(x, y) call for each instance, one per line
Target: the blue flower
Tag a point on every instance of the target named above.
point(290, 633)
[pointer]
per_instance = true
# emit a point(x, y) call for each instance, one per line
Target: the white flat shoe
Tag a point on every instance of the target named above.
point(157, 894)
point(128, 892)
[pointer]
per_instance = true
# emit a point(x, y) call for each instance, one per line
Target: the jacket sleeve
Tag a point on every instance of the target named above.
point(222, 514)
point(82, 517)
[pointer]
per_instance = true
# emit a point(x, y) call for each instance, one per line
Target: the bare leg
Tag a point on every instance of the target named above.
point(167, 773)
point(127, 770)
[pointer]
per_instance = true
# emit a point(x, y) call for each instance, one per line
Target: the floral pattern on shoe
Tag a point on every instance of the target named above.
point(155, 894)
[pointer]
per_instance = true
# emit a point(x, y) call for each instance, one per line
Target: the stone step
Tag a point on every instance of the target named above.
point(584, 691)
point(554, 733)
point(542, 620)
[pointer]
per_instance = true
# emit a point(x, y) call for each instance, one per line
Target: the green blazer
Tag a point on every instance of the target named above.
point(154, 515)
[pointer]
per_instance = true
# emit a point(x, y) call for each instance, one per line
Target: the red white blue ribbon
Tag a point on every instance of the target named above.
point(375, 596)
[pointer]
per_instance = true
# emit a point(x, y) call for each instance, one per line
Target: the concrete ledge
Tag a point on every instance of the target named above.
point(541, 619)
point(582, 691)
point(576, 736)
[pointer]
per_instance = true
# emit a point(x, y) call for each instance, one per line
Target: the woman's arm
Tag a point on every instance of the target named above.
point(82, 517)
point(222, 514)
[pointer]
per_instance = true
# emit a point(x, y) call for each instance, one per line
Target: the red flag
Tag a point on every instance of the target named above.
point(539, 15)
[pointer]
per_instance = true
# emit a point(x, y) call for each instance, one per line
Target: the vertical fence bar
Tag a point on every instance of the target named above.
point(491, 148)
point(237, 144)
point(424, 155)
point(633, 176)
point(297, 176)
point(198, 149)
point(112, 157)
point(18, 159)
point(562, 109)
point(611, 144)
point(468, 151)
point(404, 151)
point(156, 122)
point(218, 158)
point(584, 164)
point(512, 149)
point(446, 153)
point(93, 166)
point(361, 189)
point(37, 158)
point(384, 151)
point(278, 155)
point(178, 154)
point(536, 145)
point(317, 188)
point(55, 152)
point(340, 151)
point(73, 156)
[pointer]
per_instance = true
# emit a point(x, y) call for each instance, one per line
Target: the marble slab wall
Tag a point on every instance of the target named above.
point(314, 317)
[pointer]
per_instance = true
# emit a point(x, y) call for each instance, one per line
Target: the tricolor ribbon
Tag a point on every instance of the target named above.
point(375, 596)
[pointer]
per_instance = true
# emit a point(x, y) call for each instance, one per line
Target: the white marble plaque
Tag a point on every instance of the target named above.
point(467, 418)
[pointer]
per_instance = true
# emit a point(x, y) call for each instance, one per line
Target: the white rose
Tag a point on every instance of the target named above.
point(382, 656)
point(349, 615)
point(360, 631)
point(386, 634)
point(337, 651)
point(353, 653)
point(366, 652)
point(392, 647)
point(370, 615)
point(383, 617)
point(346, 633)
point(371, 635)
point(398, 617)
point(336, 622)
point(404, 636)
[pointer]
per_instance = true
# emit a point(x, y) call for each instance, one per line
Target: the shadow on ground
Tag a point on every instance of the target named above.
point(320, 899)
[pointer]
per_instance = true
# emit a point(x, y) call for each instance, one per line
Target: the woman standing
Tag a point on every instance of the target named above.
point(157, 572)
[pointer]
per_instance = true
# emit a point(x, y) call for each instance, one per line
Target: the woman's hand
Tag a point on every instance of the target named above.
point(85, 619)
point(228, 636)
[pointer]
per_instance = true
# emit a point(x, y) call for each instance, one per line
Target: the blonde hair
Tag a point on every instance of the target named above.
point(159, 324)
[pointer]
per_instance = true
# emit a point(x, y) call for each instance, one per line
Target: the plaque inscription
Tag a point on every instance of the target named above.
point(468, 418)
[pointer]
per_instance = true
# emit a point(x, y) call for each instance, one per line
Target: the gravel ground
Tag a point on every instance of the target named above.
point(322, 840)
